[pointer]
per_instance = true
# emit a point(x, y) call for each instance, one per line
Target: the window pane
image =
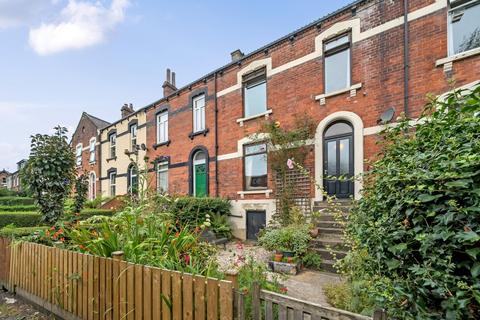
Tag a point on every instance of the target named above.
point(344, 156)
point(199, 113)
point(162, 176)
point(337, 129)
point(332, 158)
point(465, 29)
point(255, 98)
point(337, 71)
point(337, 42)
point(256, 171)
point(256, 148)
point(162, 127)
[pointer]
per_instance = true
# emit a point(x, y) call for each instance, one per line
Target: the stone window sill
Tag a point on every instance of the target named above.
point(447, 62)
point(266, 192)
point(204, 132)
point(112, 158)
point(166, 143)
point(265, 114)
point(353, 92)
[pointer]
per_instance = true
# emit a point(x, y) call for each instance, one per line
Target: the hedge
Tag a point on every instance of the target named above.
point(13, 201)
point(191, 210)
point(20, 219)
point(30, 219)
point(19, 232)
point(18, 208)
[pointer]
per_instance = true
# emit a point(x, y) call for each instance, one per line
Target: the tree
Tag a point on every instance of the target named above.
point(49, 173)
point(81, 189)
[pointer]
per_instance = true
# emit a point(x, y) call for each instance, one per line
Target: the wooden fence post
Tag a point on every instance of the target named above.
point(232, 276)
point(117, 255)
point(380, 314)
point(256, 301)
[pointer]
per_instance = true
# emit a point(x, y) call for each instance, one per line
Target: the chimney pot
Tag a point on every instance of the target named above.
point(173, 79)
point(169, 84)
point(237, 55)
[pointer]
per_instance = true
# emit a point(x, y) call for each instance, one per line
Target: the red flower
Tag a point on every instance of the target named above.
point(187, 258)
point(52, 228)
point(283, 290)
point(62, 239)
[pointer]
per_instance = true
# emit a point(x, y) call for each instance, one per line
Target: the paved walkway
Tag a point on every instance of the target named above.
point(308, 285)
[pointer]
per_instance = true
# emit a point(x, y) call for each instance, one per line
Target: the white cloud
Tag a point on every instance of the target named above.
point(81, 24)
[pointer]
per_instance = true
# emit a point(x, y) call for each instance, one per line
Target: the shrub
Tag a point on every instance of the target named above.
point(220, 226)
point(15, 201)
point(7, 193)
point(18, 208)
point(312, 260)
point(293, 238)
point(13, 232)
point(20, 219)
point(96, 203)
point(418, 223)
point(191, 211)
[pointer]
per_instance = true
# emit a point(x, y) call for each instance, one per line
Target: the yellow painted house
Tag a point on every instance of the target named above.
point(123, 144)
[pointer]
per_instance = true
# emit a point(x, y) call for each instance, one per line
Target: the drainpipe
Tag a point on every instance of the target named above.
point(405, 57)
point(216, 134)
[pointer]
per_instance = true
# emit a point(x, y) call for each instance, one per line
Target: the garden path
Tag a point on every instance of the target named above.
point(307, 285)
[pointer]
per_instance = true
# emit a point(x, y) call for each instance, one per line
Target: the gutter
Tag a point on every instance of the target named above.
point(406, 61)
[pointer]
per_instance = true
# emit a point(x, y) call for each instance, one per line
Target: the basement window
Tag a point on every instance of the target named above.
point(463, 26)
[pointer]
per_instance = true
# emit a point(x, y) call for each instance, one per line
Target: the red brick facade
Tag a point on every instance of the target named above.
point(86, 132)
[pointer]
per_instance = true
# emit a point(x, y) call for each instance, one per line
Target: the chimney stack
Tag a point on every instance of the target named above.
point(237, 55)
point(127, 109)
point(169, 84)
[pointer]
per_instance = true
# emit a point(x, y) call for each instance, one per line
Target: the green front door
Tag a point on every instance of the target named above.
point(200, 180)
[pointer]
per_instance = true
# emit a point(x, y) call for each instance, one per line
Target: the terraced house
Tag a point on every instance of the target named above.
point(351, 72)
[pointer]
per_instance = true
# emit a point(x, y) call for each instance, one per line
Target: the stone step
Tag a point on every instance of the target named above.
point(328, 224)
point(332, 241)
point(325, 204)
point(328, 217)
point(328, 254)
point(327, 265)
point(342, 210)
point(323, 231)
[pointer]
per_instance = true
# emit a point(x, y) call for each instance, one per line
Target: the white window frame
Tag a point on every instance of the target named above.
point(162, 167)
point(132, 173)
point(162, 127)
point(92, 148)
point(454, 6)
point(199, 113)
point(113, 145)
point(112, 178)
point(78, 154)
point(133, 137)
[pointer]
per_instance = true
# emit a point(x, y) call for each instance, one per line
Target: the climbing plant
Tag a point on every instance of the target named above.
point(287, 143)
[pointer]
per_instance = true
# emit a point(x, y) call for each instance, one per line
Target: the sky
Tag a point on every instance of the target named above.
point(61, 57)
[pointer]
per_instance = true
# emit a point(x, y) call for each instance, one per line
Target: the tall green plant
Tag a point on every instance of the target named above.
point(49, 173)
point(81, 189)
point(415, 233)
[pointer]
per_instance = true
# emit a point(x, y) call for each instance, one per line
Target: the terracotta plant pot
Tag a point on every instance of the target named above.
point(278, 257)
point(314, 233)
point(290, 260)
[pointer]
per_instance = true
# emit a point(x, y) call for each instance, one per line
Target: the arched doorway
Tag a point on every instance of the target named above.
point(338, 161)
point(92, 186)
point(199, 174)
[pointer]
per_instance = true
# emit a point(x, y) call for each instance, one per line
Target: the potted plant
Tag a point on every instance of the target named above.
point(278, 256)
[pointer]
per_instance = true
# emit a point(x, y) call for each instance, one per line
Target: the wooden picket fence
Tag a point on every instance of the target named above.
point(91, 287)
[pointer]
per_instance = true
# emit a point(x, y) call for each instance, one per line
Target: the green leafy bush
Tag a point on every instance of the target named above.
point(416, 230)
point(81, 190)
point(18, 208)
point(312, 260)
point(15, 201)
point(191, 211)
point(20, 219)
point(294, 238)
point(96, 203)
point(220, 226)
point(7, 193)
